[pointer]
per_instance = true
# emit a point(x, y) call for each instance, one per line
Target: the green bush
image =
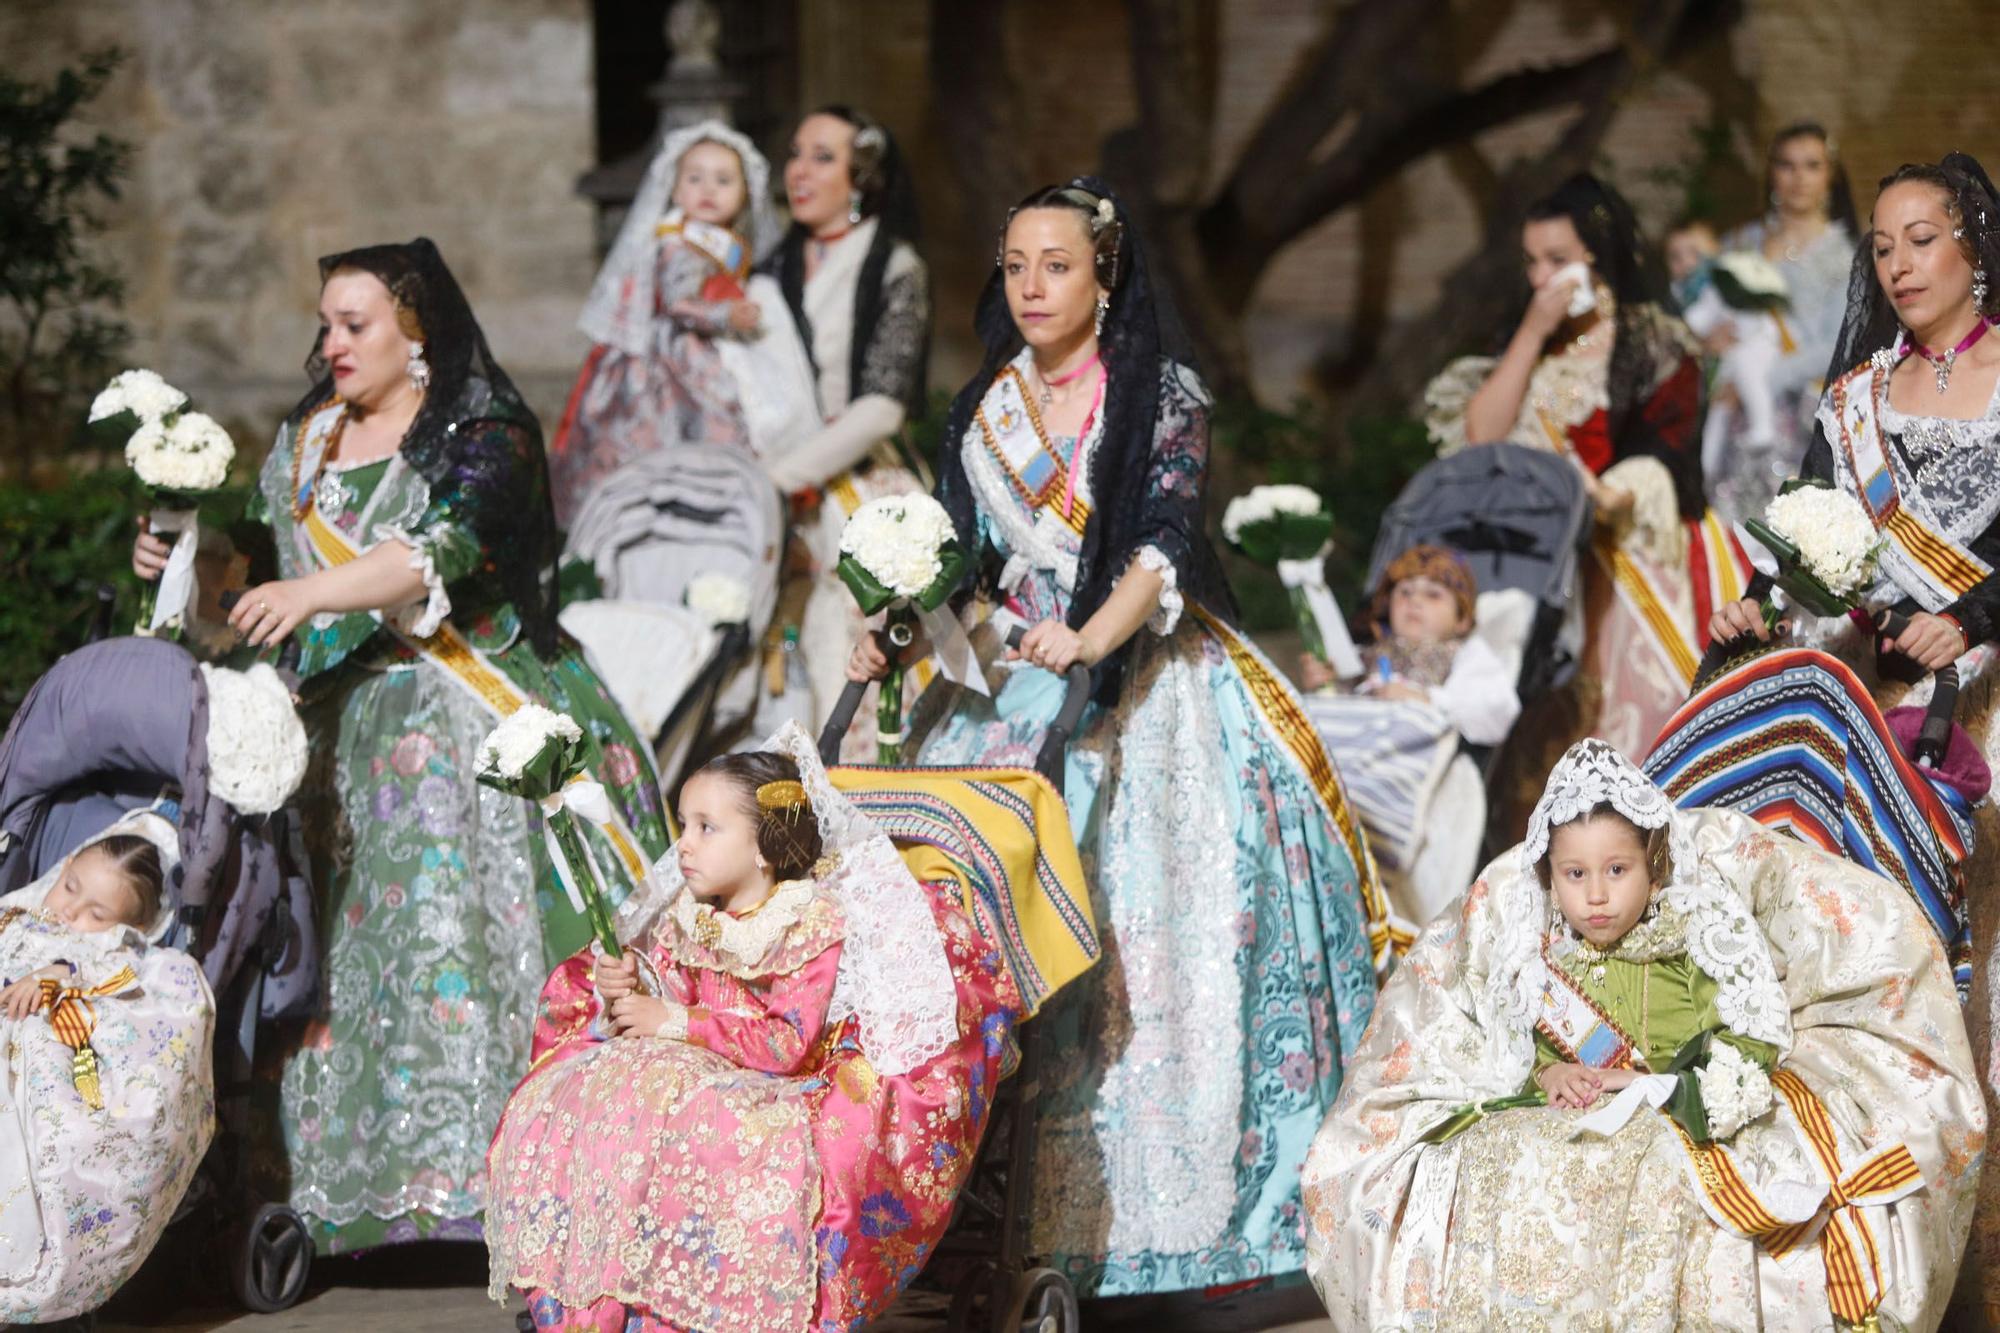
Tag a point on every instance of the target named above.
point(58, 545)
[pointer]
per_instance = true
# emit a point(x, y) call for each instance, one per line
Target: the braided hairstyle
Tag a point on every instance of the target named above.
point(137, 860)
point(788, 834)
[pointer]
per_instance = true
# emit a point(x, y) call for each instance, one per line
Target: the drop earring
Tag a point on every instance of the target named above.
point(853, 207)
point(418, 369)
point(1979, 291)
point(1103, 309)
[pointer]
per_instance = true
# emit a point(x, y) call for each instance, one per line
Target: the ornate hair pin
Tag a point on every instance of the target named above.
point(782, 797)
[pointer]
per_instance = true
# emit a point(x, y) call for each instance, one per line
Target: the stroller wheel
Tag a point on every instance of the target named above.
point(270, 1261)
point(1044, 1302)
point(979, 1293)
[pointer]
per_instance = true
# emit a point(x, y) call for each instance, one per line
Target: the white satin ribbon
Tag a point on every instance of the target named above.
point(1648, 1090)
point(1309, 576)
point(587, 800)
point(956, 661)
point(176, 586)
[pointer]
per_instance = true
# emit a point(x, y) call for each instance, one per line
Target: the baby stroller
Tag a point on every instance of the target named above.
point(940, 820)
point(120, 725)
point(1520, 517)
point(648, 531)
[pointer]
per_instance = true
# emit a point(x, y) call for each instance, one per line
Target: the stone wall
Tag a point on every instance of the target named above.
point(268, 134)
point(1892, 91)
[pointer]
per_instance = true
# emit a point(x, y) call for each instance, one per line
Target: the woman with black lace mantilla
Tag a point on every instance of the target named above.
point(408, 499)
point(1814, 734)
point(860, 295)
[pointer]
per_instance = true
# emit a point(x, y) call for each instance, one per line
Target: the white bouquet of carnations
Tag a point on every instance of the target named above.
point(1826, 547)
point(539, 755)
point(256, 743)
point(718, 598)
point(1745, 280)
point(1289, 529)
point(900, 554)
point(179, 456)
point(1734, 1090)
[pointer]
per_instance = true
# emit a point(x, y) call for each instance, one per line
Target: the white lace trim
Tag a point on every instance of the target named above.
point(1168, 616)
point(894, 976)
point(1653, 524)
point(418, 619)
point(1723, 939)
point(742, 942)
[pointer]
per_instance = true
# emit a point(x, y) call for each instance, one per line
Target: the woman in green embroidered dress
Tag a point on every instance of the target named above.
point(408, 497)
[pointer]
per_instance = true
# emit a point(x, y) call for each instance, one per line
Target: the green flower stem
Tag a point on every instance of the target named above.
point(1308, 623)
point(569, 845)
point(899, 628)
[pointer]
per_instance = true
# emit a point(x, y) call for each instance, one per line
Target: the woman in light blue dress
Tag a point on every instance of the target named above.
point(1243, 925)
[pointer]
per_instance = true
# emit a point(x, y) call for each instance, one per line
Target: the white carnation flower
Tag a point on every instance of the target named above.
point(899, 540)
point(1837, 541)
point(142, 393)
point(510, 747)
point(1734, 1090)
point(718, 599)
point(256, 743)
point(192, 454)
point(1261, 503)
point(1754, 273)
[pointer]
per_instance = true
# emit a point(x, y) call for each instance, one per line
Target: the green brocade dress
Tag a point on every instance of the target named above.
point(1662, 1005)
point(440, 912)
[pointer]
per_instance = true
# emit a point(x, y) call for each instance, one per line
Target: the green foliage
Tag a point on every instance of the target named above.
point(57, 344)
point(1252, 444)
point(1700, 175)
point(58, 545)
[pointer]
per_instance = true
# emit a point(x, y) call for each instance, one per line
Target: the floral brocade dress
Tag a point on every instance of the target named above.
point(748, 1168)
point(439, 906)
point(1188, 1071)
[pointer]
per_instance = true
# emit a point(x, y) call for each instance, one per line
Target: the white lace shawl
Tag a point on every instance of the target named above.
point(894, 975)
point(619, 312)
point(1723, 938)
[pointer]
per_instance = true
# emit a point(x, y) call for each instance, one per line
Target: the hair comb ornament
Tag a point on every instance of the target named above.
point(783, 797)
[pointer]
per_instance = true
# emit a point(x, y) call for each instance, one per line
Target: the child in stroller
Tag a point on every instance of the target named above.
point(107, 1103)
point(826, 1054)
point(132, 736)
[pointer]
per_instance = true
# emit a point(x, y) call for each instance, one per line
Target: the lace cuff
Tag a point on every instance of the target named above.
point(1162, 621)
point(420, 620)
point(1446, 397)
point(674, 1027)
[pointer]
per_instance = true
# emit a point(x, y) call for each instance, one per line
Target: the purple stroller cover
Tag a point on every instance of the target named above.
point(101, 733)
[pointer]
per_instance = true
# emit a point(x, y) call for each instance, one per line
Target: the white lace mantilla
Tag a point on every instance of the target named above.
point(894, 976)
point(1723, 939)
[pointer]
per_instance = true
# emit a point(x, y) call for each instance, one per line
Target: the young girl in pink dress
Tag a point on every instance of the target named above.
point(701, 1142)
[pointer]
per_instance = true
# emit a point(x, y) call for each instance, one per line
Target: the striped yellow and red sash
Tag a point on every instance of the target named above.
point(1011, 425)
point(74, 1018)
point(1949, 568)
point(471, 670)
point(1389, 937)
point(1848, 1247)
point(1670, 638)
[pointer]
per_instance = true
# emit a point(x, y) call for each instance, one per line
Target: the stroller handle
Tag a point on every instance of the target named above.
point(1048, 761)
point(1936, 733)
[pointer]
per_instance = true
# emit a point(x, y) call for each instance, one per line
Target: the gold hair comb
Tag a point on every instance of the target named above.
point(782, 797)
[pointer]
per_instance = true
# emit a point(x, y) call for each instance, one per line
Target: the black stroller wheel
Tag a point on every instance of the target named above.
point(979, 1293)
point(1044, 1302)
point(270, 1263)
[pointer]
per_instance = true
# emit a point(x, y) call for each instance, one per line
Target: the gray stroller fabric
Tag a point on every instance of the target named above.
point(1521, 518)
point(106, 730)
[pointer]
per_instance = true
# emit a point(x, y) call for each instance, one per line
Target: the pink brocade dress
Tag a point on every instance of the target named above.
point(758, 1176)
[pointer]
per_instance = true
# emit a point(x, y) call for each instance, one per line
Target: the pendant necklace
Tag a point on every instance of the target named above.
point(1944, 362)
point(1048, 385)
